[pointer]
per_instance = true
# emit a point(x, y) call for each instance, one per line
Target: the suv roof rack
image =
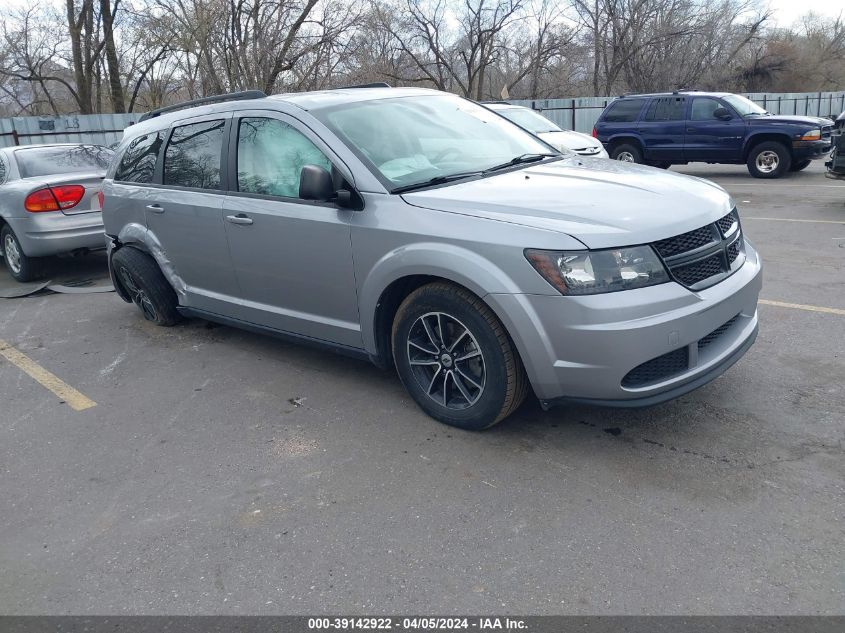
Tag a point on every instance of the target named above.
point(374, 84)
point(232, 96)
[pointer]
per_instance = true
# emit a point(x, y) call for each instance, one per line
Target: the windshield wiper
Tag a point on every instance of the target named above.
point(519, 160)
point(437, 180)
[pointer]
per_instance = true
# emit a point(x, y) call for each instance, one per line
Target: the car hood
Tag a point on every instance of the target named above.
point(788, 118)
point(567, 139)
point(602, 203)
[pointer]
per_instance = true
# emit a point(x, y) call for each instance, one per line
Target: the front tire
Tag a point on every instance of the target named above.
point(143, 281)
point(769, 159)
point(455, 358)
point(20, 266)
point(627, 153)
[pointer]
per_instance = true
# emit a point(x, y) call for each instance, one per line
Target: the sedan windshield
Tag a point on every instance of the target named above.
point(530, 120)
point(45, 161)
point(744, 106)
point(415, 140)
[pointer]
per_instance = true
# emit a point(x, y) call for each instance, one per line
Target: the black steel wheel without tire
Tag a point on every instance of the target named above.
point(143, 281)
point(455, 358)
point(20, 266)
point(769, 159)
point(627, 153)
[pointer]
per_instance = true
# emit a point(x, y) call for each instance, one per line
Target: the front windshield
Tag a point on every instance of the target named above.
point(411, 140)
point(530, 120)
point(744, 106)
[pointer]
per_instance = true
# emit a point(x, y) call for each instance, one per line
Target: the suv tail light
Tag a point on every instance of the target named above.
point(595, 134)
point(54, 198)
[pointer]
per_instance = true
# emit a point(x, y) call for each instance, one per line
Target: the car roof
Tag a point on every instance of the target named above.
point(302, 100)
point(697, 93)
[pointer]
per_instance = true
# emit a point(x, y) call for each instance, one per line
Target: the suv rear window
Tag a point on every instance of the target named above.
point(139, 160)
point(192, 157)
point(44, 161)
point(623, 111)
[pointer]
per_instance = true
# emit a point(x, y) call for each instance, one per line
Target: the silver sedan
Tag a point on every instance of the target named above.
point(50, 203)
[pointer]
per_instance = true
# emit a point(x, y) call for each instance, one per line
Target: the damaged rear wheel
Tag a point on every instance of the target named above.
point(139, 275)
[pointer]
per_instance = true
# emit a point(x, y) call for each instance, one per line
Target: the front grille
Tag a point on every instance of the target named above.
point(703, 254)
point(715, 334)
point(733, 252)
point(686, 242)
point(691, 274)
point(658, 369)
point(727, 223)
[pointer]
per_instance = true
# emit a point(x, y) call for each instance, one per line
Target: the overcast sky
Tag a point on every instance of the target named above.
point(787, 11)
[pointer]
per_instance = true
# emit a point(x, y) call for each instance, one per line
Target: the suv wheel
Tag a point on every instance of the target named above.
point(21, 267)
point(769, 159)
point(627, 153)
point(455, 358)
point(142, 280)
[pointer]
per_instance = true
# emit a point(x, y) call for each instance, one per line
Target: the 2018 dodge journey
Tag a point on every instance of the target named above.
point(421, 230)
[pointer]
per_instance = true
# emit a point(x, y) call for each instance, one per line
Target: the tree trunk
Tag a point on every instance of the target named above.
point(115, 86)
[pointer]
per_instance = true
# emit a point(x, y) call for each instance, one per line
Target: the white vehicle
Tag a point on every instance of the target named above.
point(549, 131)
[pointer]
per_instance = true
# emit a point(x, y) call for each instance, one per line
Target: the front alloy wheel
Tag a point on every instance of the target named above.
point(446, 360)
point(455, 358)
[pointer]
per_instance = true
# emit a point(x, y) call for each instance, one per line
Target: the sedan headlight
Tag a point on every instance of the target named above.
point(595, 272)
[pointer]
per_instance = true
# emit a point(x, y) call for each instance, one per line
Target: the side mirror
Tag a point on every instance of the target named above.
point(315, 183)
point(722, 114)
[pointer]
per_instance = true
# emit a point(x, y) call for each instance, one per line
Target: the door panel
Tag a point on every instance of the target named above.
point(708, 138)
point(293, 261)
point(185, 213)
point(663, 127)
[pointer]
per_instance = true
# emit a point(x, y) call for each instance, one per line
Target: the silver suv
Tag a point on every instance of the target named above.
point(421, 230)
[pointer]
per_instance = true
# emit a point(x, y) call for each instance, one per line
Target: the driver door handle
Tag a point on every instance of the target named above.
point(241, 218)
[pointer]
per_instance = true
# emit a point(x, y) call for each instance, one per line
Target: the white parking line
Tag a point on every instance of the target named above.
point(747, 217)
point(800, 306)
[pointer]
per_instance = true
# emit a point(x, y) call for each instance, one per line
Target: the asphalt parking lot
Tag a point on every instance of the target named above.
point(227, 472)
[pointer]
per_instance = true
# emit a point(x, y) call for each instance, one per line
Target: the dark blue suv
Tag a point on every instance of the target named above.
point(711, 127)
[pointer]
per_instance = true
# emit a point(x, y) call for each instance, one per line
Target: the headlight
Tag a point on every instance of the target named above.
point(594, 272)
point(812, 135)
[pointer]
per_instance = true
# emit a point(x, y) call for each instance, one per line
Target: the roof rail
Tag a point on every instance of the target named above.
point(232, 96)
point(374, 84)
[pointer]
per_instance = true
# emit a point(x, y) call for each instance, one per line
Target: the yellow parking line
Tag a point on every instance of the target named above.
point(63, 391)
point(796, 220)
point(799, 306)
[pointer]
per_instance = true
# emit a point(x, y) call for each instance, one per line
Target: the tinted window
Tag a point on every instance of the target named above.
point(139, 160)
point(271, 155)
point(192, 157)
point(703, 108)
point(666, 109)
point(623, 111)
point(44, 161)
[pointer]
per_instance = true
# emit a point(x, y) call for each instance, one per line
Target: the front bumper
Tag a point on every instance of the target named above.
point(53, 233)
point(808, 150)
point(585, 348)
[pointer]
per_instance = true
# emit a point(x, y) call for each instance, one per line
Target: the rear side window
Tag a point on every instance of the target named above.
point(192, 157)
point(45, 161)
point(623, 111)
point(139, 160)
point(271, 155)
point(666, 109)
